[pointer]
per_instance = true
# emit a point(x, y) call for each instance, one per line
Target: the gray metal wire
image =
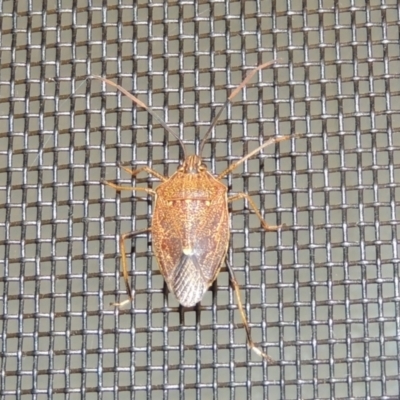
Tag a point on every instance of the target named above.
point(322, 296)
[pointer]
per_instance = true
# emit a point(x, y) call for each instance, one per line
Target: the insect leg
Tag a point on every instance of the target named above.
point(243, 315)
point(138, 189)
point(128, 235)
point(150, 171)
point(270, 141)
point(122, 239)
point(135, 172)
point(255, 209)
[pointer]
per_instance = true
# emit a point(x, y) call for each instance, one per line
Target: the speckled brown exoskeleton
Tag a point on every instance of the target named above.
point(190, 225)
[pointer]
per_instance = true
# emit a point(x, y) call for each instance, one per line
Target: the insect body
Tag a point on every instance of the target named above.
point(192, 220)
point(190, 226)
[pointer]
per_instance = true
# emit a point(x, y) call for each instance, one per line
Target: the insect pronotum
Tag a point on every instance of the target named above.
point(190, 226)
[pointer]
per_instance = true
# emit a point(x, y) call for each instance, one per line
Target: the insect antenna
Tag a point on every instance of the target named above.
point(229, 99)
point(147, 108)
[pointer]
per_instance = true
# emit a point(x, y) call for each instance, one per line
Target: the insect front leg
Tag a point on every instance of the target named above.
point(135, 172)
point(255, 209)
point(269, 142)
point(150, 171)
point(131, 188)
point(243, 315)
point(122, 239)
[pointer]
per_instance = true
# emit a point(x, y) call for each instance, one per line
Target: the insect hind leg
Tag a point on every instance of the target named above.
point(250, 342)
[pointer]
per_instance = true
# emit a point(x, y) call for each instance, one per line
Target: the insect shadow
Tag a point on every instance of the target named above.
point(190, 225)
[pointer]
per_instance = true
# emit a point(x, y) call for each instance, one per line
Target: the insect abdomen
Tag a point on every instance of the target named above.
point(190, 239)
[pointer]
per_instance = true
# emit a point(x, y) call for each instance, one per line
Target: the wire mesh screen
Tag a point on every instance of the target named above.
point(322, 294)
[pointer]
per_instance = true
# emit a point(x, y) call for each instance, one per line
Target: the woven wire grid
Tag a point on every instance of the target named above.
point(322, 296)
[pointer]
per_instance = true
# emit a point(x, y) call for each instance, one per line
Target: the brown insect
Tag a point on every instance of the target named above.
point(190, 226)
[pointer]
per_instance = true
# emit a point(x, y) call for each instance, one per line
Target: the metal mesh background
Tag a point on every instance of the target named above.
point(322, 296)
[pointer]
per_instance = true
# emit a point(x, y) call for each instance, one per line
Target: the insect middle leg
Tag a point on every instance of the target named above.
point(243, 315)
point(122, 239)
point(134, 233)
point(255, 209)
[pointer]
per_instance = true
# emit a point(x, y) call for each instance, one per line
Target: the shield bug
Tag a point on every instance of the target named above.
point(190, 225)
